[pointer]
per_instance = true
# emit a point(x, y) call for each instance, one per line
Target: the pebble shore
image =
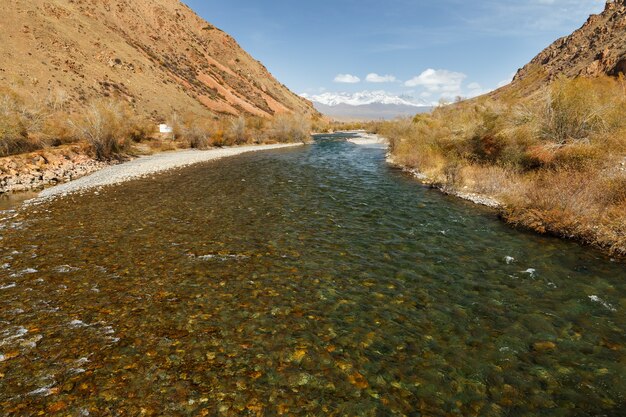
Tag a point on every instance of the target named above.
point(148, 165)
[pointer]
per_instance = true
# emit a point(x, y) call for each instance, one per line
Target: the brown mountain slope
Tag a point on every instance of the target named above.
point(157, 54)
point(598, 47)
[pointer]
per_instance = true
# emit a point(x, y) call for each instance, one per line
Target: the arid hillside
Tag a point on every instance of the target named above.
point(597, 48)
point(156, 54)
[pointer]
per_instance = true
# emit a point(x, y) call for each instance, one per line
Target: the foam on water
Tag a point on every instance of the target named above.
point(82, 361)
point(32, 342)
point(63, 269)
point(222, 258)
point(8, 336)
point(77, 324)
point(44, 391)
point(603, 303)
point(27, 271)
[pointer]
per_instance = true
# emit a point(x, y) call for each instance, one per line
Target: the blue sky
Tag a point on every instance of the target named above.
point(423, 49)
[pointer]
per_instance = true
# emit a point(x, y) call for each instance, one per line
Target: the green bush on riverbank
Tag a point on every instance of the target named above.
point(556, 158)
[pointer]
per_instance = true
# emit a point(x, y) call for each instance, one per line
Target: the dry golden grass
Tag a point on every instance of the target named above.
point(290, 128)
point(107, 125)
point(113, 128)
point(193, 131)
point(552, 155)
point(17, 122)
point(237, 131)
point(572, 204)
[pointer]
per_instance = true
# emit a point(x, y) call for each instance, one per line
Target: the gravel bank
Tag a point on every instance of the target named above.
point(148, 165)
point(473, 197)
point(367, 139)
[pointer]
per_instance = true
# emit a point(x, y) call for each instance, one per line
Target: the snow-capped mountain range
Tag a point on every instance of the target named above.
point(364, 98)
point(366, 105)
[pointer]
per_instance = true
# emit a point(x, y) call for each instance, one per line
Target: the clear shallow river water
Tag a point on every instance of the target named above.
point(311, 281)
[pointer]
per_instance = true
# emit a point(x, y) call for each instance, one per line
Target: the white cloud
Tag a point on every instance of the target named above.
point(447, 83)
point(347, 79)
point(375, 78)
point(474, 86)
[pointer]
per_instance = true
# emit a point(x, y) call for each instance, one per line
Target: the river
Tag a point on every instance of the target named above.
point(307, 281)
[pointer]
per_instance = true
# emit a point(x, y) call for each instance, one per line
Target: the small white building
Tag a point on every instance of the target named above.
point(163, 128)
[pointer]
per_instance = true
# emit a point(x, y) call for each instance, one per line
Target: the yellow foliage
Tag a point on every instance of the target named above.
point(547, 152)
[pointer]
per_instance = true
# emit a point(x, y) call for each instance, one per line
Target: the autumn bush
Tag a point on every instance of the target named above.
point(256, 127)
point(191, 131)
point(290, 128)
point(553, 154)
point(17, 123)
point(237, 132)
point(108, 126)
point(112, 127)
point(29, 124)
point(201, 132)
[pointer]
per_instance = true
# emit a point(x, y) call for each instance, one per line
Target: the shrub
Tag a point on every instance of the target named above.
point(16, 123)
point(256, 126)
point(197, 137)
point(237, 132)
point(141, 129)
point(191, 130)
point(177, 124)
point(614, 190)
point(571, 111)
point(106, 127)
point(58, 130)
point(290, 128)
point(578, 156)
point(551, 154)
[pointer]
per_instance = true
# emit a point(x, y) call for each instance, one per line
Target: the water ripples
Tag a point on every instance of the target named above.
point(312, 281)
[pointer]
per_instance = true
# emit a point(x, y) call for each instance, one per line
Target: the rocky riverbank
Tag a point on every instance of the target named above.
point(149, 165)
point(71, 169)
point(473, 197)
point(47, 167)
point(364, 138)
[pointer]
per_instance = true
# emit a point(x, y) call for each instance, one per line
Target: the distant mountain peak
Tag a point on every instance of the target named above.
point(364, 98)
point(366, 105)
